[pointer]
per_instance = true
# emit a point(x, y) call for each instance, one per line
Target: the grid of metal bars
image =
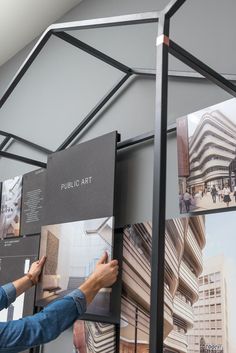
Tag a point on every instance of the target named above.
point(165, 46)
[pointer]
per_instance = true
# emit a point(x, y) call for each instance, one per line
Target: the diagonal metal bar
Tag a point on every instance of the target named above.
point(22, 159)
point(24, 67)
point(202, 68)
point(146, 17)
point(177, 73)
point(93, 112)
point(26, 142)
point(135, 140)
point(122, 20)
point(148, 136)
point(173, 7)
point(5, 142)
point(92, 51)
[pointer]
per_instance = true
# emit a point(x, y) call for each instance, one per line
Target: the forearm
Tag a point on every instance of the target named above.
point(90, 288)
point(22, 284)
point(7, 295)
point(44, 326)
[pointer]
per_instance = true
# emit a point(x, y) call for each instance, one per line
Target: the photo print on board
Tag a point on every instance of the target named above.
point(136, 282)
point(200, 284)
point(94, 337)
point(16, 257)
point(72, 251)
point(206, 142)
point(79, 223)
point(11, 207)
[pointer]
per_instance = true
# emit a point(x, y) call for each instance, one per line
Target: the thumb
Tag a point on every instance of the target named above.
point(42, 261)
point(103, 259)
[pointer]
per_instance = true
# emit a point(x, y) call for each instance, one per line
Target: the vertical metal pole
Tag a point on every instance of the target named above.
point(159, 189)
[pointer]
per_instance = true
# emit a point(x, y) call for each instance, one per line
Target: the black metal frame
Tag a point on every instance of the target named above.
point(165, 46)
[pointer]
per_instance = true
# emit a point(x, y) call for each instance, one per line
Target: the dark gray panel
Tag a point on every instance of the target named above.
point(80, 181)
point(33, 201)
point(15, 254)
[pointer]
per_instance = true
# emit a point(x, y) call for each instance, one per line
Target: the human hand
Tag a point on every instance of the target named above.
point(36, 269)
point(105, 273)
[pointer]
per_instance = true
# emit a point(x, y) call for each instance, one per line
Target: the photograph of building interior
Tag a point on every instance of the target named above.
point(10, 207)
point(72, 250)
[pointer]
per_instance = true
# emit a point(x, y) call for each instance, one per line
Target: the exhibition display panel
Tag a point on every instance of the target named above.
point(207, 158)
point(11, 194)
point(78, 223)
point(72, 250)
point(16, 257)
point(72, 203)
point(174, 295)
point(33, 201)
point(200, 284)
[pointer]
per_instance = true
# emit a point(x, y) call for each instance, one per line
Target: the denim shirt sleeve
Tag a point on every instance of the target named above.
point(7, 295)
point(18, 335)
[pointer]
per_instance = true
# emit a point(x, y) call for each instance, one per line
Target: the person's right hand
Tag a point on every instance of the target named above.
point(105, 273)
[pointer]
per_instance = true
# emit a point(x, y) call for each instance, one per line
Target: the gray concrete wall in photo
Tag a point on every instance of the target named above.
point(64, 84)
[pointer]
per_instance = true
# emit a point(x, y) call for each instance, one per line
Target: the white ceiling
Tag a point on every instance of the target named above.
point(23, 20)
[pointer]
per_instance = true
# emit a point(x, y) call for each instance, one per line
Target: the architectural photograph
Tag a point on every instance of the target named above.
point(201, 285)
point(136, 277)
point(206, 142)
point(94, 337)
point(72, 251)
point(11, 207)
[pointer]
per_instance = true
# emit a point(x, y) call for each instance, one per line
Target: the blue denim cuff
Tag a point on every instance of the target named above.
point(10, 291)
point(80, 300)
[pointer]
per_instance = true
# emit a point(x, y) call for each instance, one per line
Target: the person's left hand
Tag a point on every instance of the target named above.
point(36, 268)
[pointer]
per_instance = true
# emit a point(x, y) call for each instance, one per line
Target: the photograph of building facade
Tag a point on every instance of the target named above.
point(185, 239)
point(207, 158)
point(136, 275)
point(210, 329)
point(200, 285)
point(94, 337)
